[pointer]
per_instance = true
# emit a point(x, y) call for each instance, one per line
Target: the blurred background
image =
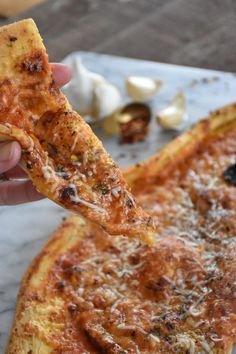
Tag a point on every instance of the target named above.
point(189, 32)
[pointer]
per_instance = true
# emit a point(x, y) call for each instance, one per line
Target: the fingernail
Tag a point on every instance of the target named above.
point(6, 151)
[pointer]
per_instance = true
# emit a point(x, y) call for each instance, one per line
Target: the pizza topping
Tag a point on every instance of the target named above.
point(171, 298)
point(72, 308)
point(60, 284)
point(29, 164)
point(215, 338)
point(230, 174)
point(116, 191)
point(155, 338)
point(67, 192)
point(48, 173)
point(71, 192)
point(185, 343)
point(63, 174)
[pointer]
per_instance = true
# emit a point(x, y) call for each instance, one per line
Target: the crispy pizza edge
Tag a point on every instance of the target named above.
point(24, 340)
point(15, 40)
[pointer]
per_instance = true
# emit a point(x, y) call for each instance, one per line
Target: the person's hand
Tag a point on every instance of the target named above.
point(13, 191)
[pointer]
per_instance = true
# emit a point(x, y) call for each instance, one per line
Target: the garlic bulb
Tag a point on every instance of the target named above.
point(89, 93)
point(97, 79)
point(174, 115)
point(141, 88)
point(107, 99)
point(80, 89)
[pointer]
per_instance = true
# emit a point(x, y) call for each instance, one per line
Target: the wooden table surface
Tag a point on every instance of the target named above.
point(198, 33)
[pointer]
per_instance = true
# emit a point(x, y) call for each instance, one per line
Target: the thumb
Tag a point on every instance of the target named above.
point(10, 154)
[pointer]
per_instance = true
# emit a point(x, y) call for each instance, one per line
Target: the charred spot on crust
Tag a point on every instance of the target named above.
point(134, 259)
point(63, 172)
point(12, 38)
point(230, 174)
point(60, 285)
point(101, 188)
point(66, 193)
point(65, 176)
point(34, 63)
point(170, 326)
point(29, 165)
point(73, 270)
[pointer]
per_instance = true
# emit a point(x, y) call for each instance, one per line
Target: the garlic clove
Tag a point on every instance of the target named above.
point(174, 115)
point(141, 88)
point(80, 89)
point(107, 99)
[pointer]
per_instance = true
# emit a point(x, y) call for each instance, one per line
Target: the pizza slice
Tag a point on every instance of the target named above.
point(65, 160)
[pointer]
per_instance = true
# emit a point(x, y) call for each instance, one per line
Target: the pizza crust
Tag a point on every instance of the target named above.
point(31, 332)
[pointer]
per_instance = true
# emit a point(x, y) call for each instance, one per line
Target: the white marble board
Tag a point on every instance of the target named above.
point(25, 228)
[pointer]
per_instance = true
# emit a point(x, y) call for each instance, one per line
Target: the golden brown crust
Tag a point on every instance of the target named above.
point(65, 160)
point(130, 298)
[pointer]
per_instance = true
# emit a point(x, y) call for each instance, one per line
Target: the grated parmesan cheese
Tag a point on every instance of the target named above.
point(215, 338)
point(184, 341)
point(155, 338)
point(205, 345)
point(116, 191)
point(76, 199)
point(82, 176)
point(74, 143)
point(48, 172)
point(195, 312)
